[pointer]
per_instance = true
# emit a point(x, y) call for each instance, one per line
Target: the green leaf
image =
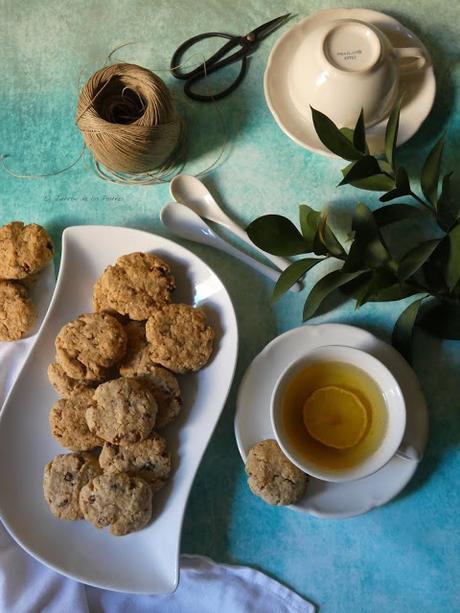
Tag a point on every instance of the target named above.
point(404, 328)
point(309, 222)
point(392, 291)
point(359, 134)
point(441, 319)
point(277, 235)
point(430, 173)
point(416, 258)
point(391, 134)
point(381, 182)
point(324, 287)
point(447, 208)
point(348, 133)
point(378, 281)
point(291, 275)
point(402, 186)
point(434, 270)
point(363, 168)
point(393, 213)
point(453, 258)
point(332, 138)
point(368, 249)
point(325, 240)
point(383, 286)
point(402, 180)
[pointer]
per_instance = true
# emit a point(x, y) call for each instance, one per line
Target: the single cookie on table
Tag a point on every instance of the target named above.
point(148, 459)
point(65, 386)
point(17, 313)
point(272, 476)
point(124, 413)
point(137, 342)
point(179, 338)
point(24, 250)
point(161, 382)
point(68, 425)
point(117, 500)
point(63, 479)
point(89, 346)
point(136, 285)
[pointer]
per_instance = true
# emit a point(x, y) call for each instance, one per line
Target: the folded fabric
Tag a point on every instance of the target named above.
point(26, 586)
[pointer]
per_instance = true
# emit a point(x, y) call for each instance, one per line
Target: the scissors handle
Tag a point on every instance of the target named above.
point(215, 62)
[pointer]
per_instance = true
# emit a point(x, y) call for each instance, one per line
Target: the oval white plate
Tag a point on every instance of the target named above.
point(253, 424)
point(293, 116)
point(145, 561)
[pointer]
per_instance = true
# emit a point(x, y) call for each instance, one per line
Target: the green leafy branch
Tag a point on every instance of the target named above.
point(370, 271)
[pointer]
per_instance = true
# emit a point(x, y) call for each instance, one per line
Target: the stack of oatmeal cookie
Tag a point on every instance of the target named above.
point(24, 251)
point(115, 373)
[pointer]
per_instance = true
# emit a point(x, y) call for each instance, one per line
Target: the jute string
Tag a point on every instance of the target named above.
point(127, 118)
point(129, 123)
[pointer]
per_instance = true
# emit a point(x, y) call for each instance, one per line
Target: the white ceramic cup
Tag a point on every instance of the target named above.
point(392, 395)
point(347, 65)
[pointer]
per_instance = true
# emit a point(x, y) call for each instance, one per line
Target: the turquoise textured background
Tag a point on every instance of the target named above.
point(403, 557)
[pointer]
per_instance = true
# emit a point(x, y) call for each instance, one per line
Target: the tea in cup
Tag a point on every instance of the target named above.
point(338, 413)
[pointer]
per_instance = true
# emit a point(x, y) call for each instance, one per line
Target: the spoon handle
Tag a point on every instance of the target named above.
point(274, 275)
point(281, 263)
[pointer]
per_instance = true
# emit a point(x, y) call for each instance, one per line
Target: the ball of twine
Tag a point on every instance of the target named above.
point(127, 118)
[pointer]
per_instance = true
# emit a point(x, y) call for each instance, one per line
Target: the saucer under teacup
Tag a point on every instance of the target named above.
point(289, 101)
point(253, 423)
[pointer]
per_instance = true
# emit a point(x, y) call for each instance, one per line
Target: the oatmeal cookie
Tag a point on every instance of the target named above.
point(135, 332)
point(124, 413)
point(136, 285)
point(24, 250)
point(17, 313)
point(147, 459)
point(63, 479)
point(68, 423)
point(64, 385)
point(179, 338)
point(117, 500)
point(161, 382)
point(89, 346)
point(272, 476)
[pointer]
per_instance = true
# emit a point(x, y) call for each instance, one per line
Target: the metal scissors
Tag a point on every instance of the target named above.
point(248, 44)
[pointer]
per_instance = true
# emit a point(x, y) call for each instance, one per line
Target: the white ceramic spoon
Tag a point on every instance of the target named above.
point(191, 192)
point(187, 224)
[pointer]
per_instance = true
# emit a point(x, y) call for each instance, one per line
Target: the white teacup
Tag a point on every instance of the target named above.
point(394, 406)
point(348, 65)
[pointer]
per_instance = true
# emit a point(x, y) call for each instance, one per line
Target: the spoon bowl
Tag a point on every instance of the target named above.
point(194, 194)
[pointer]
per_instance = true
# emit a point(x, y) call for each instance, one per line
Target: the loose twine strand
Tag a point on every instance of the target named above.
point(129, 123)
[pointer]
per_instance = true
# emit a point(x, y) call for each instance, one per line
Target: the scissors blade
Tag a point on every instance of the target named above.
point(267, 28)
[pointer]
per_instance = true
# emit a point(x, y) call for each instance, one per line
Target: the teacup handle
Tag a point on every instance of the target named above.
point(414, 54)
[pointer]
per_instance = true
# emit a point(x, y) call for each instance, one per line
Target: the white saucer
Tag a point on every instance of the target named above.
point(294, 117)
point(252, 420)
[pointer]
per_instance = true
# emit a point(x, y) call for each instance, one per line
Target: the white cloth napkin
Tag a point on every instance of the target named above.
point(27, 586)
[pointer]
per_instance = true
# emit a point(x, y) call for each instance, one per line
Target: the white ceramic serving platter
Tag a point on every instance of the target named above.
point(146, 561)
point(293, 114)
point(253, 424)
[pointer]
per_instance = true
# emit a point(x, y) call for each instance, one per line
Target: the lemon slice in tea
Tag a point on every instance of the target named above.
point(335, 417)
